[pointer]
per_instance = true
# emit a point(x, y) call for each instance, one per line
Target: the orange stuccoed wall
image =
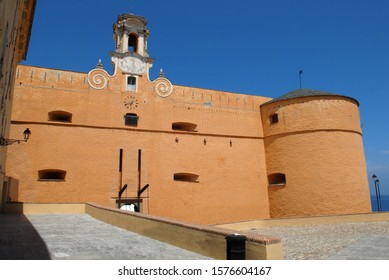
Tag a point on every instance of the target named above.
point(206, 155)
point(226, 149)
point(317, 144)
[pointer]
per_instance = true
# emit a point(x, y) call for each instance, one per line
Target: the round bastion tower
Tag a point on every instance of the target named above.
point(314, 155)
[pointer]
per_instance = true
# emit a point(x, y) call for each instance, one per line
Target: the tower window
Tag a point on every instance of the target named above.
point(131, 83)
point(273, 118)
point(131, 119)
point(277, 179)
point(51, 175)
point(60, 116)
point(184, 126)
point(132, 43)
point(186, 177)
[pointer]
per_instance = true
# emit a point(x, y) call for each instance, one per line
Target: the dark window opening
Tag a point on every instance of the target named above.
point(131, 83)
point(274, 118)
point(184, 126)
point(60, 116)
point(131, 119)
point(133, 43)
point(186, 177)
point(51, 175)
point(277, 179)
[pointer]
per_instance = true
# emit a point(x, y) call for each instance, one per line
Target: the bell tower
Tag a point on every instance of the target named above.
point(130, 59)
point(130, 35)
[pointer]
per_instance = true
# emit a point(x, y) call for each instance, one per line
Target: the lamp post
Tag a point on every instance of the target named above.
point(6, 142)
point(377, 191)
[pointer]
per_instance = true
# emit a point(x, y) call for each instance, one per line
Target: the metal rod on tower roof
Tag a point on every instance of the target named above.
point(300, 72)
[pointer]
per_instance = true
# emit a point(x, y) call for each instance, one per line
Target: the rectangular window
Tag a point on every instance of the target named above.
point(186, 177)
point(51, 175)
point(273, 118)
point(277, 179)
point(131, 83)
point(184, 126)
point(131, 119)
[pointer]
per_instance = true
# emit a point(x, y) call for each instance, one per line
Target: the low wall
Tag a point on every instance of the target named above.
point(44, 208)
point(205, 240)
point(305, 221)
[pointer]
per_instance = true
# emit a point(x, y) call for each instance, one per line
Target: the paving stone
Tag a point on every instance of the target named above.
point(81, 237)
point(362, 241)
point(78, 237)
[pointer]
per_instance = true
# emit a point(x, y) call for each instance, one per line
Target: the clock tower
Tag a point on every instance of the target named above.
point(131, 55)
point(130, 59)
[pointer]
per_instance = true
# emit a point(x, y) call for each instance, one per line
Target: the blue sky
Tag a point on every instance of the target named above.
point(248, 46)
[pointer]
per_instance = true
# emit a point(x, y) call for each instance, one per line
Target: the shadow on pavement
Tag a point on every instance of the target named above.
point(19, 240)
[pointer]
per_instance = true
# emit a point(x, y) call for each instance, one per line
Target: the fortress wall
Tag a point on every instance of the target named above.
point(44, 90)
point(311, 114)
point(317, 144)
point(225, 191)
point(225, 149)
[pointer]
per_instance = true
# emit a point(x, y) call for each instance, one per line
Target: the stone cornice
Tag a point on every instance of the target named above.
point(132, 54)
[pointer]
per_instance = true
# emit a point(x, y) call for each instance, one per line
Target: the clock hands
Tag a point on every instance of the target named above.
point(131, 102)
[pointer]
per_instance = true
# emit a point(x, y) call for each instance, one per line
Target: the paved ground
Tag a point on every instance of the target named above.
point(78, 237)
point(351, 241)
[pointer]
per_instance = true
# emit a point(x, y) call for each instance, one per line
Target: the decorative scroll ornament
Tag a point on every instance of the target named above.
point(98, 77)
point(163, 86)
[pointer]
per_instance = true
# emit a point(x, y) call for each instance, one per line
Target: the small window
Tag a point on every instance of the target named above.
point(277, 179)
point(273, 118)
point(129, 204)
point(51, 175)
point(131, 83)
point(186, 177)
point(184, 126)
point(132, 43)
point(131, 119)
point(60, 116)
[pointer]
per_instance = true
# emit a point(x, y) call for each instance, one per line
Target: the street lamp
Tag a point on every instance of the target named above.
point(377, 192)
point(6, 142)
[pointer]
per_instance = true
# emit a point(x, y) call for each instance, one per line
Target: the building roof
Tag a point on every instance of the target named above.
point(307, 93)
point(126, 17)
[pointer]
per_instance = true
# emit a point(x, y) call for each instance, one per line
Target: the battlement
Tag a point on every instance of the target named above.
point(203, 99)
point(50, 78)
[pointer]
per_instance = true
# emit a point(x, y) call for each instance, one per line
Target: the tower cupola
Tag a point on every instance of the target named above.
point(130, 34)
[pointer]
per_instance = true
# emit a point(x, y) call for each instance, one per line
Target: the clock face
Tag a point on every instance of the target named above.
point(132, 65)
point(130, 102)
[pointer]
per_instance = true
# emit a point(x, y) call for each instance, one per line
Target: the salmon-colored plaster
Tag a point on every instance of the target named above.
point(232, 176)
point(224, 141)
point(317, 144)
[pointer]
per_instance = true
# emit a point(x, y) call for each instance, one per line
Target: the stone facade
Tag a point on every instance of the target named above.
point(191, 154)
point(16, 18)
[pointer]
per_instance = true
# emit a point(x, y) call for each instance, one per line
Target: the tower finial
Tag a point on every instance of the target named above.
point(161, 74)
point(300, 72)
point(99, 64)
